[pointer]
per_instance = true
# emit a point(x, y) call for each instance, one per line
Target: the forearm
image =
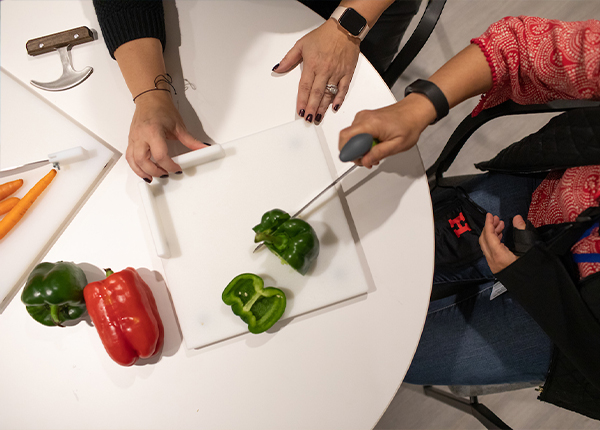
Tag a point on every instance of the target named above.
point(465, 75)
point(141, 61)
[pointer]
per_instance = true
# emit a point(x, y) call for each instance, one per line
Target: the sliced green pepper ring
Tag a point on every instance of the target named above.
point(257, 306)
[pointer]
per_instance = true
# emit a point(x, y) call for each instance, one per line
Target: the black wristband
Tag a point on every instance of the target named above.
point(433, 93)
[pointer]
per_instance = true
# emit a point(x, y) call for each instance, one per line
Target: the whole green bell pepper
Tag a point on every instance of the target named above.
point(257, 306)
point(53, 293)
point(292, 239)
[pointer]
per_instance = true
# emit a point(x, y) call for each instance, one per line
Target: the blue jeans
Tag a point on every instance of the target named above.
point(469, 339)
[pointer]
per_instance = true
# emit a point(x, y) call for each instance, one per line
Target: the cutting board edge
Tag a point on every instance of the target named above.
point(278, 325)
point(63, 226)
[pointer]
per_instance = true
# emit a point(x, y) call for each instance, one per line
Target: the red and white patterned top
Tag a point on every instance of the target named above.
point(535, 60)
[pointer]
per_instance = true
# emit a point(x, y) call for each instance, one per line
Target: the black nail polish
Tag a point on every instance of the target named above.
point(336, 107)
point(164, 176)
point(275, 67)
point(178, 173)
point(301, 113)
point(318, 117)
point(147, 180)
point(309, 118)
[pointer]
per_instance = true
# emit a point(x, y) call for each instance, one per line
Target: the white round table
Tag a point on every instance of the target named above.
point(338, 367)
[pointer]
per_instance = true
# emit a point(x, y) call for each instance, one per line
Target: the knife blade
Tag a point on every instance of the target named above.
point(355, 148)
point(67, 156)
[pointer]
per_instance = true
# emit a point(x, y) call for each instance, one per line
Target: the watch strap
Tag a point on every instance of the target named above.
point(433, 93)
point(337, 14)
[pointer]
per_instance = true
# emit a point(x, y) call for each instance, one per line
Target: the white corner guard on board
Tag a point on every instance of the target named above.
point(156, 228)
point(190, 159)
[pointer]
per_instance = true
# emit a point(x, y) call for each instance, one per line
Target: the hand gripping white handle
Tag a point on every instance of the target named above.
point(199, 156)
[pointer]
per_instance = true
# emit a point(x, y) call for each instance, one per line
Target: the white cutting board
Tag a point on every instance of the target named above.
point(208, 213)
point(32, 129)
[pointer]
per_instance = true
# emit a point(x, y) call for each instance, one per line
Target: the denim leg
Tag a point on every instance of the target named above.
point(502, 195)
point(469, 339)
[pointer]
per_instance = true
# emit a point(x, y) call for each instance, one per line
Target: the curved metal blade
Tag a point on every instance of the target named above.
point(70, 77)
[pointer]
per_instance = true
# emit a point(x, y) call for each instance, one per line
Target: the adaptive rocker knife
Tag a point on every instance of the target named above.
point(355, 148)
point(62, 42)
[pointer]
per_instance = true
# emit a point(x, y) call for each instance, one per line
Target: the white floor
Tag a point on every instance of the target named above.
point(462, 20)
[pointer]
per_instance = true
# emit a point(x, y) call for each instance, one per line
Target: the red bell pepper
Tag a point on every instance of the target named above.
point(125, 315)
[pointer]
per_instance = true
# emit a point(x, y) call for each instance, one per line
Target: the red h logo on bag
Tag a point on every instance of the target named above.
point(459, 225)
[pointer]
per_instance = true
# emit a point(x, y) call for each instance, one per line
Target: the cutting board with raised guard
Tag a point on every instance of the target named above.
point(32, 129)
point(207, 215)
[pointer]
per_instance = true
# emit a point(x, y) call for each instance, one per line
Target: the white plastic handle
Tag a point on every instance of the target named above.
point(68, 155)
point(200, 156)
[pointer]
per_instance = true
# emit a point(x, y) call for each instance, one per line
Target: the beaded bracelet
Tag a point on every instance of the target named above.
point(160, 78)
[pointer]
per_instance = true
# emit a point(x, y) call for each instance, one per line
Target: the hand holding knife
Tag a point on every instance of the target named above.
point(355, 148)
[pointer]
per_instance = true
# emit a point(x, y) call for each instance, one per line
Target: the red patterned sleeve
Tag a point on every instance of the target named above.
point(535, 60)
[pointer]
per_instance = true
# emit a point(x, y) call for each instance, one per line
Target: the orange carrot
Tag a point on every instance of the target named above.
point(8, 204)
point(16, 213)
point(8, 188)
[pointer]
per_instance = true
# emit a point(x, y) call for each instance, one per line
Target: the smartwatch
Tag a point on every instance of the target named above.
point(433, 93)
point(352, 21)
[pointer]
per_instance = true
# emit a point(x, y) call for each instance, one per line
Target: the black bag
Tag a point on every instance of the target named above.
point(459, 261)
point(567, 309)
point(458, 222)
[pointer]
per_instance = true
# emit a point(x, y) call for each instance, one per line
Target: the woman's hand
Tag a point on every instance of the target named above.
point(498, 256)
point(329, 56)
point(155, 120)
point(397, 127)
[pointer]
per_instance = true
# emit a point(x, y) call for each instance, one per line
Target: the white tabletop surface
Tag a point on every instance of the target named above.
point(338, 367)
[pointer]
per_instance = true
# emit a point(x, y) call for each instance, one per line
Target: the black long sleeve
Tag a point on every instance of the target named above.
point(124, 20)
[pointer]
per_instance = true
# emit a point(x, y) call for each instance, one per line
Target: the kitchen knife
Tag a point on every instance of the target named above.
point(355, 148)
point(67, 156)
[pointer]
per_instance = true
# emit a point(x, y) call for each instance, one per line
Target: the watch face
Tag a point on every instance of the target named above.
point(352, 21)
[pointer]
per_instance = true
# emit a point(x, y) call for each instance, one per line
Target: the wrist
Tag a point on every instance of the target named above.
point(351, 22)
point(339, 33)
point(154, 97)
point(433, 93)
point(421, 109)
point(162, 83)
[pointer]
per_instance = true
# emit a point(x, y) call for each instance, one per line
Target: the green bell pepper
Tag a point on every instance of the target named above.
point(292, 239)
point(53, 293)
point(257, 306)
